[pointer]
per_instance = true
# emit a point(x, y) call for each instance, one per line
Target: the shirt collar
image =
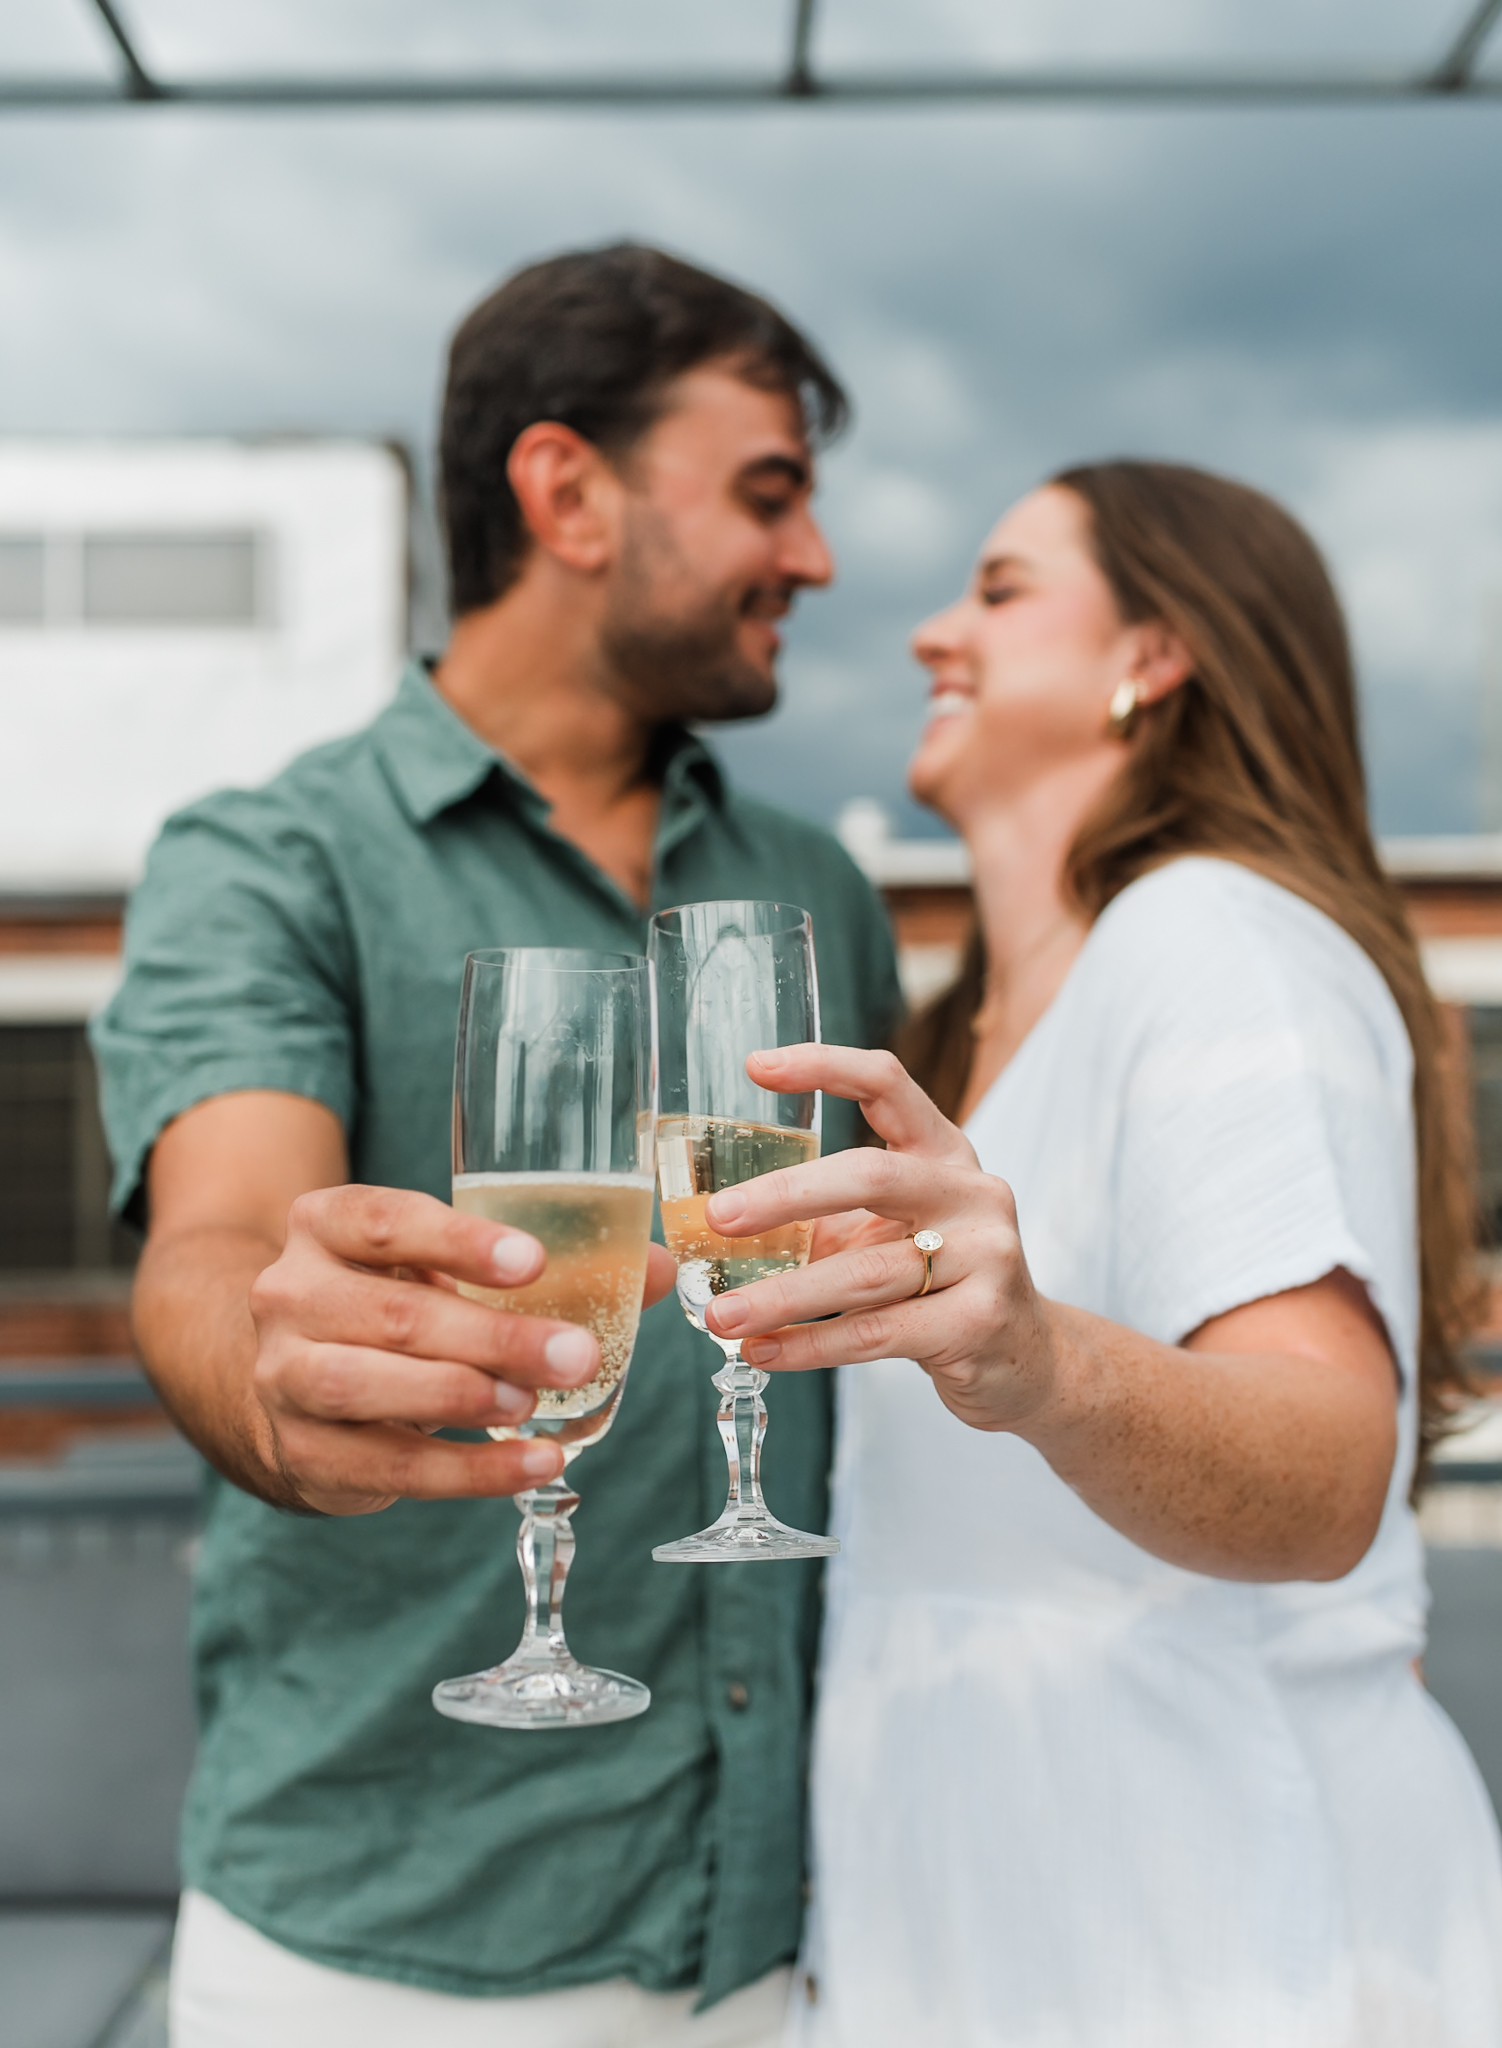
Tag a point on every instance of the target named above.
point(435, 761)
point(431, 755)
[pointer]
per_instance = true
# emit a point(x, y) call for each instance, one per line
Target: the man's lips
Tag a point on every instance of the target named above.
point(764, 612)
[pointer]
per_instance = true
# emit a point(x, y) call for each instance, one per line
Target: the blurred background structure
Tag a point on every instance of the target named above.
point(1254, 234)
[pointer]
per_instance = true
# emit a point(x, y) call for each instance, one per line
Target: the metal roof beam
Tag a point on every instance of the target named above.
point(1062, 88)
point(138, 82)
point(800, 84)
point(1453, 73)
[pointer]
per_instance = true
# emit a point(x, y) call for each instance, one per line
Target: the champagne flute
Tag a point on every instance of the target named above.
point(732, 979)
point(554, 1106)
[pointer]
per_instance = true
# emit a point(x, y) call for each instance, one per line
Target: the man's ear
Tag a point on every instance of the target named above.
point(1163, 661)
point(568, 494)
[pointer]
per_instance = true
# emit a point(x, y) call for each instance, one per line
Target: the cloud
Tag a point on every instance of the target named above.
point(1308, 299)
point(893, 522)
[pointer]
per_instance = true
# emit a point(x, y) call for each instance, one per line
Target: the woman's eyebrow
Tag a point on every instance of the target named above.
point(994, 565)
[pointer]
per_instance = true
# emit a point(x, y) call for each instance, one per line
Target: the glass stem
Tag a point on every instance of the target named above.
point(742, 1423)
point(545, 1550)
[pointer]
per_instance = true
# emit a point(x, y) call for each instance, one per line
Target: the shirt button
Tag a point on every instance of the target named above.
point(811, 1988)
point(737, 1696)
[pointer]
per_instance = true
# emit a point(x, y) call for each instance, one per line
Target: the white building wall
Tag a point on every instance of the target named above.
point(106, 729)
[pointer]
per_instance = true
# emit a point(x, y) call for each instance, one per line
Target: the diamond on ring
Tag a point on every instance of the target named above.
point(927, 1242)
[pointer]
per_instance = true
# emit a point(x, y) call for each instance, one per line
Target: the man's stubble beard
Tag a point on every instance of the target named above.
point(682, 665)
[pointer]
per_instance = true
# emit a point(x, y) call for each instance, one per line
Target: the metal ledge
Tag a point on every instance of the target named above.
point(106, 1478)
point(1452, 1472)
point(74, 1383)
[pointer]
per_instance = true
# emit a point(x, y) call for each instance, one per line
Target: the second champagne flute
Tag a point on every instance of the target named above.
point(732, 979)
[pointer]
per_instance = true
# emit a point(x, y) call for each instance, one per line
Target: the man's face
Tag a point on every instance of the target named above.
point(717, 537)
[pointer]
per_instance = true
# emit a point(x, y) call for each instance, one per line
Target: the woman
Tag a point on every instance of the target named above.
point(1120, 1741)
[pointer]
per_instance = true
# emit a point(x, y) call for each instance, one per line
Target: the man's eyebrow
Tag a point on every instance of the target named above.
point(797, 469)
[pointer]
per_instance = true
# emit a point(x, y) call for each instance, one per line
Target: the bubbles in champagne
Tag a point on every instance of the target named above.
point(696, 1157)
point(595, 1229)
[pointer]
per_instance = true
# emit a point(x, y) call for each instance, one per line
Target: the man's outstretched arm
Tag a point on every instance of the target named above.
point(306, 1335)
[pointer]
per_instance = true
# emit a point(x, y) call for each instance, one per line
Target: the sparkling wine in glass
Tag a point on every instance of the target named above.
point(554, 1107)
point(732, 979)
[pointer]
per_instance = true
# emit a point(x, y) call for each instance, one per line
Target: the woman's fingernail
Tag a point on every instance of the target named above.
point(771, 1059)
point(761, 1350)
point(539, 1461)
point(729, 1313)
point(513, 1258)
point(726, 1207)
point(572, 1354)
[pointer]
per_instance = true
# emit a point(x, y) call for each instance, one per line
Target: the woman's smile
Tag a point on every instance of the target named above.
point(949, 700)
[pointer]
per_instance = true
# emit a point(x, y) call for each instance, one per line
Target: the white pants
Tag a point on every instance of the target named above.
point(232, 1988)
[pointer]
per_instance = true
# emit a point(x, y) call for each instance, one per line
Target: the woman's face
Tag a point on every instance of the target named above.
point(1022, 668)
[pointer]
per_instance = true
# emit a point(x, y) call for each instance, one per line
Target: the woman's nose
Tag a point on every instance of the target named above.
point(937, 636)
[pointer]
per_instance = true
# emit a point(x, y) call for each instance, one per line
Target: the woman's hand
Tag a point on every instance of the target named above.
point(1260, 1447)
point(982, 1333)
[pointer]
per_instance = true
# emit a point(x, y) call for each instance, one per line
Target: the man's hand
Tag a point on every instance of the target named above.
point(309, 1335)
point(364, 1347)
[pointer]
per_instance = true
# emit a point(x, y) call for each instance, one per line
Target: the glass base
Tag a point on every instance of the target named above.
point(561, 1693)
point(743, 1539)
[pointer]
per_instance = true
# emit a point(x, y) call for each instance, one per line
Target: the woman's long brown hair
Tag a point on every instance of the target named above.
point(1255, 758)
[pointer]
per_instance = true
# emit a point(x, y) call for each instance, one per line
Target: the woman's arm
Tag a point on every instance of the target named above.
point(1260, 1448)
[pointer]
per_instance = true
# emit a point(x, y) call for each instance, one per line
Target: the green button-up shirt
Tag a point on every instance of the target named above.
point(310, 937)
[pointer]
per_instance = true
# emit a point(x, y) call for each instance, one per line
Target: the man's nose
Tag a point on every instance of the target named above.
point(805, 554)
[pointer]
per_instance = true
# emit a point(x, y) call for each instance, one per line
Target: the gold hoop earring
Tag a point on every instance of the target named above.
point(1123, 710)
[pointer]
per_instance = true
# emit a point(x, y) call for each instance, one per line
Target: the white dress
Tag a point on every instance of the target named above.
point(1066, 1795)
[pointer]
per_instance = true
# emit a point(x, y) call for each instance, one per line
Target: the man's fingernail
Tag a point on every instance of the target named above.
point(572, 1354)
point(539, 1461)
point(761, 1350)
point(771, 1059)
point(513, 1257)
point(726, 1207)
point(729, 1313)
point(513, 1404)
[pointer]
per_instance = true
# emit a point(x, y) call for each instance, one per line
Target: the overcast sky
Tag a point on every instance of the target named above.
point(1310, 300)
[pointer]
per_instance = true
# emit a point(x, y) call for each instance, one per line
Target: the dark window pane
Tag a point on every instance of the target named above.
point(170, 579)
point(23, 579)
point(1486, 1070)
point(54, 1168)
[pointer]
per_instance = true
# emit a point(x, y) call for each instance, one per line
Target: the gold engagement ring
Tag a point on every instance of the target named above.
point(928, 1242)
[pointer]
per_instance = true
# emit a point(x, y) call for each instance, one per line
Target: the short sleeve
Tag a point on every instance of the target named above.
point(1266, 1130)
point(237, 975)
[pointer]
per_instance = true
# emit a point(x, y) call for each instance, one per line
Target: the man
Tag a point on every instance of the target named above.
point(626, 476)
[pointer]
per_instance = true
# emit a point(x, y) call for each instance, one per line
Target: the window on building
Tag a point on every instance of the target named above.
point(209, 578)
point(169, 579)
point(1486, 1078)
point(23, 579)
point(54, 1165)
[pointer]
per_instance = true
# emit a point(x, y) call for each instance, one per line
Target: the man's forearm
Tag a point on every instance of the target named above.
point(192, 1323)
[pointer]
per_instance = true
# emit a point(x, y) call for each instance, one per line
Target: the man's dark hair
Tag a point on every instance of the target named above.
point(592, 339)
